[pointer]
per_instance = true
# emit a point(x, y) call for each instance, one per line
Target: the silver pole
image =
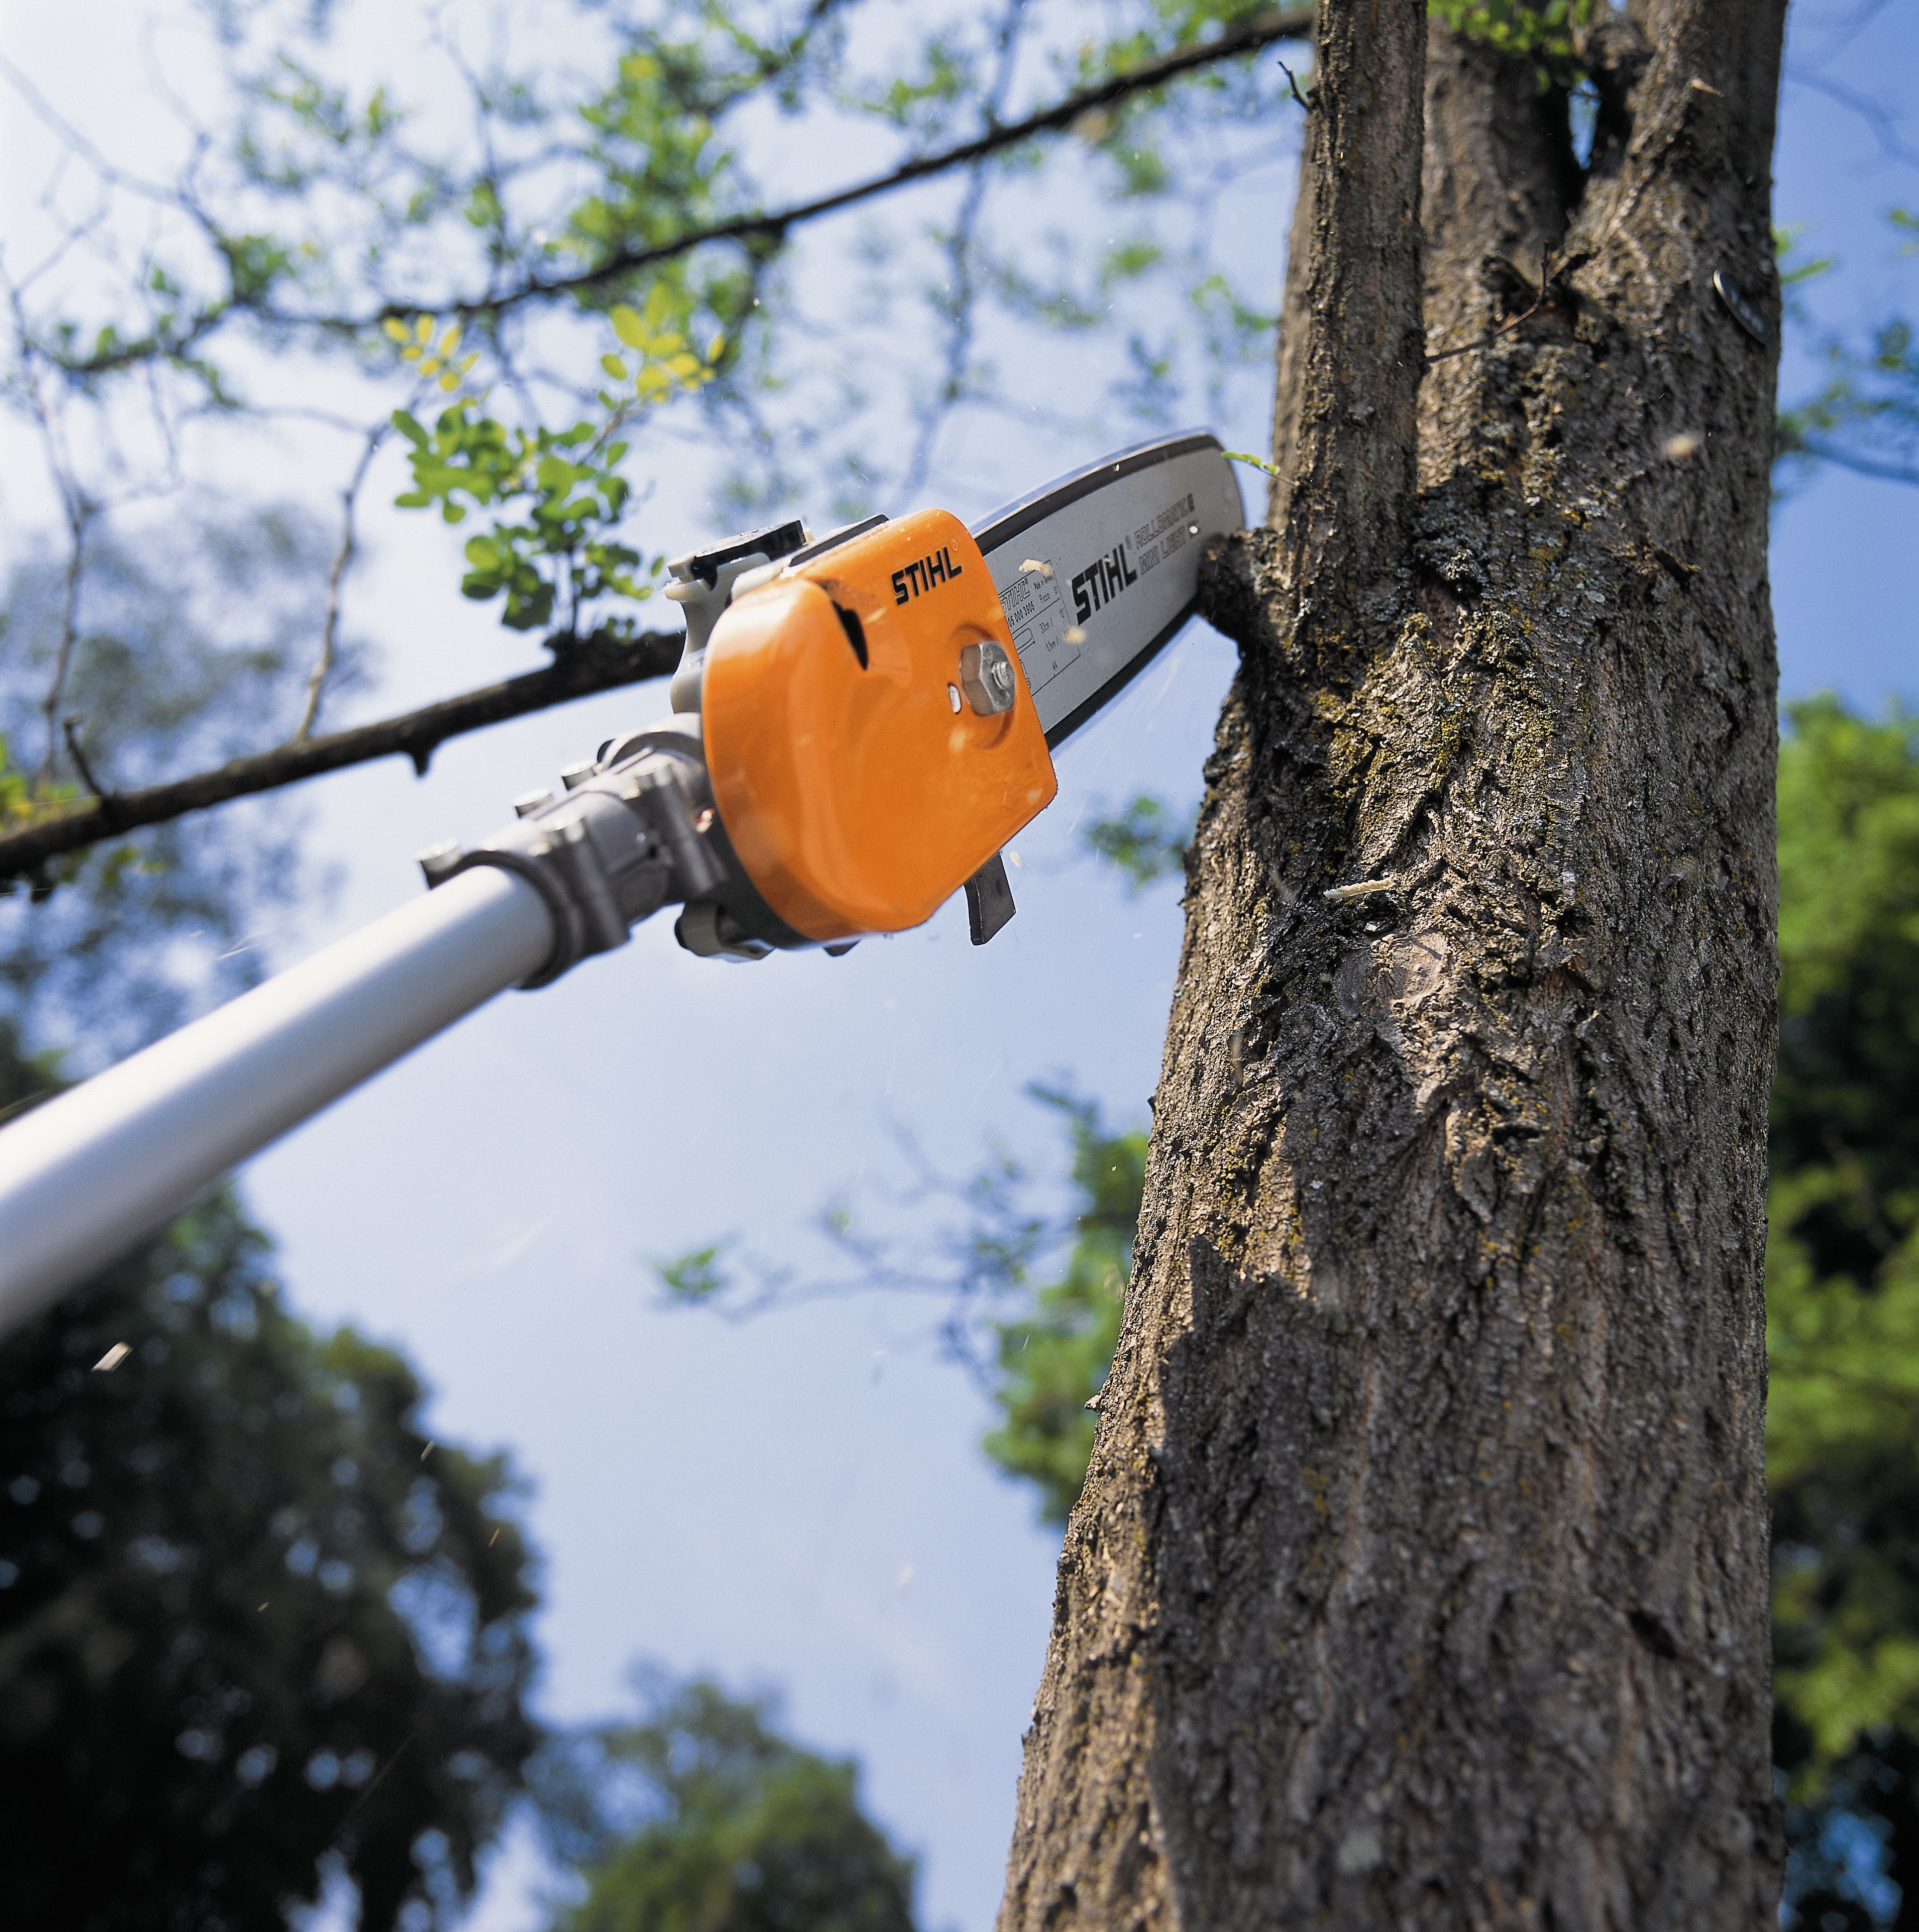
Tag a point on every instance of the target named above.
point(85, 1175)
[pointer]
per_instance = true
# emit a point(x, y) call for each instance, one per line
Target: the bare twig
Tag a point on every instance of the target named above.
point(1294, 23)
point(77, 510)
point(79, 513)
point(1505, 328)
point(1862, 466)
point(584, 666)
point(70, 726)
point(44, 111)
point(974, 1263)
point(1305, 106)
point(342, 557)
point(1884, 124)
point(1263, 30)
point(960, 250)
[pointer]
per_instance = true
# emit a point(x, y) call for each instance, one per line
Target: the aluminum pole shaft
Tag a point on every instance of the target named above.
point(85, 1175)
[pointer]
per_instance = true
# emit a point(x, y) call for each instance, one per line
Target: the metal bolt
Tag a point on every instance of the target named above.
point(528, 802)
point(986, 674)
point(574, 776)
point(437, 861)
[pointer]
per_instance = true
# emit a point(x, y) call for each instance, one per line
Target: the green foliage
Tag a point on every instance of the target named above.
point(654, 146)
point(1544, 34)
point(743, 1831)
point(564, 555)
point(1235, 333)
point(925, 106)
point(1166, 25)
point(1144, 840)
point(248, 1621)
point(1796, 273)
point(24, 802)
point(1843, 1258)
point(320, 208)
point(1843, 1418)
point(696, 1277)
point(1050, 1361)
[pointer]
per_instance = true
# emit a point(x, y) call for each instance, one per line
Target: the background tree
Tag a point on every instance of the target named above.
point(1842, 1278)
point(255, 1626)
point(1051, 1360)
point(700, 1817)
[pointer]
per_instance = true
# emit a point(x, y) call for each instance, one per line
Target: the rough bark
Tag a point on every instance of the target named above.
point(1420, 1577)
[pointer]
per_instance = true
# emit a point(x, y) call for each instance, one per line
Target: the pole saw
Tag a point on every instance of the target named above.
point(860, 723)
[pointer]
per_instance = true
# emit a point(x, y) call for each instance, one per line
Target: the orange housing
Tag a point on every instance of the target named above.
point(859, 789)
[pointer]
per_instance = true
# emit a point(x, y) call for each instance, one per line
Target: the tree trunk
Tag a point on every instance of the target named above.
point(1420, 1578)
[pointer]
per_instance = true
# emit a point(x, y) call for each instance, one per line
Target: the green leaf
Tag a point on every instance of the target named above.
point(696, 1277)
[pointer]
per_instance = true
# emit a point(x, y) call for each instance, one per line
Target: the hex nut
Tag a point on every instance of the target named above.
point(988, 678)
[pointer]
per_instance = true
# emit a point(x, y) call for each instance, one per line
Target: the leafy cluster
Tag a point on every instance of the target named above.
point(1842, 1280)
point(1053, 1360)
point(737, 1828)
point(1145, 841)
point(23, 801)
point(562, 553)
point(1546, 35)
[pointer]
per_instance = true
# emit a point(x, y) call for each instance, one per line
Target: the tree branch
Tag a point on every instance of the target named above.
point(1818, 447)
point(69, 726)
point(960, 247)
point(343, 555)
point(1293, 24)
point(1362, 348)
point(584, 667)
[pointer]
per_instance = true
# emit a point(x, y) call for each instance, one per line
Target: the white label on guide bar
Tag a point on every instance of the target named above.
point(1036, 615)
point(1099, 570)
